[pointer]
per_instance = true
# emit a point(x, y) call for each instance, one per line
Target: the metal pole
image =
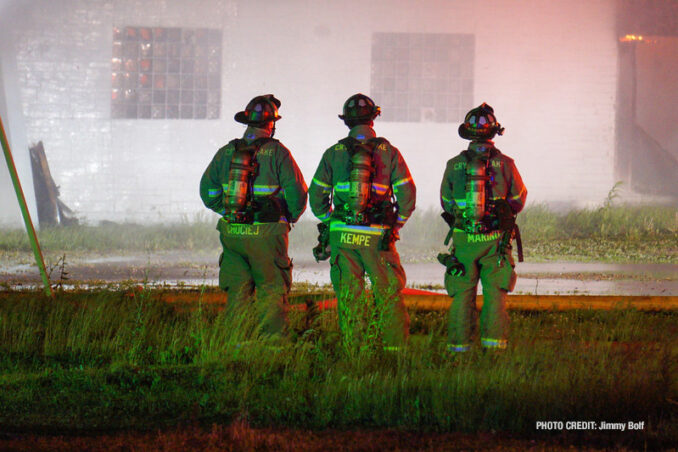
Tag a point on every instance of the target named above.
point(24, 211)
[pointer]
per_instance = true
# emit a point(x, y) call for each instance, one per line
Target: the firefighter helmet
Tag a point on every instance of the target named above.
point(259, 111)
point(359, 107)
point(480, 124)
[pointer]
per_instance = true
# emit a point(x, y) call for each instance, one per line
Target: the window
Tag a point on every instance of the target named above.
point(166, 73)
point(422, 77)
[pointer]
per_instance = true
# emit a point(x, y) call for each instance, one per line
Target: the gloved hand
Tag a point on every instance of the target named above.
point(322, 251)
point(390, 236)
point(505, 215)
point(452, 264)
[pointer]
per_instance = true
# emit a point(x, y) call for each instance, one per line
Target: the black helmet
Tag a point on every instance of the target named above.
point(359, 107)
point(259, 111)
point(480, 124)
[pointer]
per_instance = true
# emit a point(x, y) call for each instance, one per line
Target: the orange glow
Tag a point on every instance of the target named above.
point(639, 38)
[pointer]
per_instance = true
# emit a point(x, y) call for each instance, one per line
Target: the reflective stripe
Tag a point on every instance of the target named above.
point(376, 229)
point(222, 212)
point(456, 348)
point(213, 193)
point(254, 223)
point(321, 184)
point(447, 200)
point(225, 187)
point(519, 195)
point(280, 220)
point(326, 216)
point(265, 188)
point(402, 181)
point(379, 188)
point(493, 343)
point(460, 202)
point(402, 218)
point(342, 186)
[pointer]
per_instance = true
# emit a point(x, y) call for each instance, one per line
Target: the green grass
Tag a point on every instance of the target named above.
point(611, 234)
point(107, 360)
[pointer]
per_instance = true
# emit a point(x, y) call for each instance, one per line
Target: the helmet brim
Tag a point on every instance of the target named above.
point(479, 134)
point(241, 117)
point(362, 118)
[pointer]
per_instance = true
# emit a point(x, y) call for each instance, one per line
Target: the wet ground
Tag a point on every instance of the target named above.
point(174, 268)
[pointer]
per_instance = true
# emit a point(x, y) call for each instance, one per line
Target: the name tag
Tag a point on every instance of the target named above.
point(478, 238)
point(344, 238)
point(359, 240)
point(242, 229)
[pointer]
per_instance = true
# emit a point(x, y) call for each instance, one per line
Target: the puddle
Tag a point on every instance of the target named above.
point(176, 270)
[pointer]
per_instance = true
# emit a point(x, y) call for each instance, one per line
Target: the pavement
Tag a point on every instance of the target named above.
point(180, 269)
point(554, 278)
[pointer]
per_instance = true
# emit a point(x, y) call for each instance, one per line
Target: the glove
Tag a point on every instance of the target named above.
point(322, 251)
point(390, 236)
point(452, 264)
point(504, 214)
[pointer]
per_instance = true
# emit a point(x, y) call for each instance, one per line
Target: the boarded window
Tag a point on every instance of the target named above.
point(166, 73)
point(422, 77)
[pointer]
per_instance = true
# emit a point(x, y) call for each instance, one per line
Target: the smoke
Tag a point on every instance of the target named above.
point(550, 70)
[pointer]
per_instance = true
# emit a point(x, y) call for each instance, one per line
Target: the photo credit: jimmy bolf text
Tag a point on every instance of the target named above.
point(589, 425)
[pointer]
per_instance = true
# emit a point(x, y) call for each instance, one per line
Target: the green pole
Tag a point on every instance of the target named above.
point(24, 211)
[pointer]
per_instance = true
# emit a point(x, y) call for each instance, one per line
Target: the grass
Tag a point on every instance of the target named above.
point(607, 234)
point(118, 360)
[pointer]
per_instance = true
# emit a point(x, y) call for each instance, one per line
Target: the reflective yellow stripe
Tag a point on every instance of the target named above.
point(321, 184)
point(493, 343)
point(402, 181)
point(519, 195)
point(458, 347)
point(376, 229)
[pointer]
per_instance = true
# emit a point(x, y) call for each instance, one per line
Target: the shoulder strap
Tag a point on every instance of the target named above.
point(372, 143)
point(376, 141)
point(349, 143)
point(256, 144)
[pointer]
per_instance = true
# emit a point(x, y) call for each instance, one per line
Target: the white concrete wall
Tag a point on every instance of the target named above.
point(13, 124)
point(548, 68)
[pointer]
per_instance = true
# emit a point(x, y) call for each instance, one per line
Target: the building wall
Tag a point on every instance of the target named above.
point(548, 68)
point(13, 125)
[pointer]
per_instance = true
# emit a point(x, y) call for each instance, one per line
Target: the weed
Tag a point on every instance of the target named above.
point(60, 264)
point(644, 231)
point(124, 359)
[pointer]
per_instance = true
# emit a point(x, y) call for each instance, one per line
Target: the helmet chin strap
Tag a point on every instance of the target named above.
point(273, 129)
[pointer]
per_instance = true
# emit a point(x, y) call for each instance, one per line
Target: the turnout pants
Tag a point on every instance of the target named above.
point(256, 271)
point(483, 261)
point(385, 317)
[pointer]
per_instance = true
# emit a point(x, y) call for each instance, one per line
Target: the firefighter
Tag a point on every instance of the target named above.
point(363, 194)
point(481, 194)
point(255, 185)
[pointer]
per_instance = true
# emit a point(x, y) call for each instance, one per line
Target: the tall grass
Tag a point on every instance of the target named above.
point(116, 360)
point(643, 233)
point(620, 222)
